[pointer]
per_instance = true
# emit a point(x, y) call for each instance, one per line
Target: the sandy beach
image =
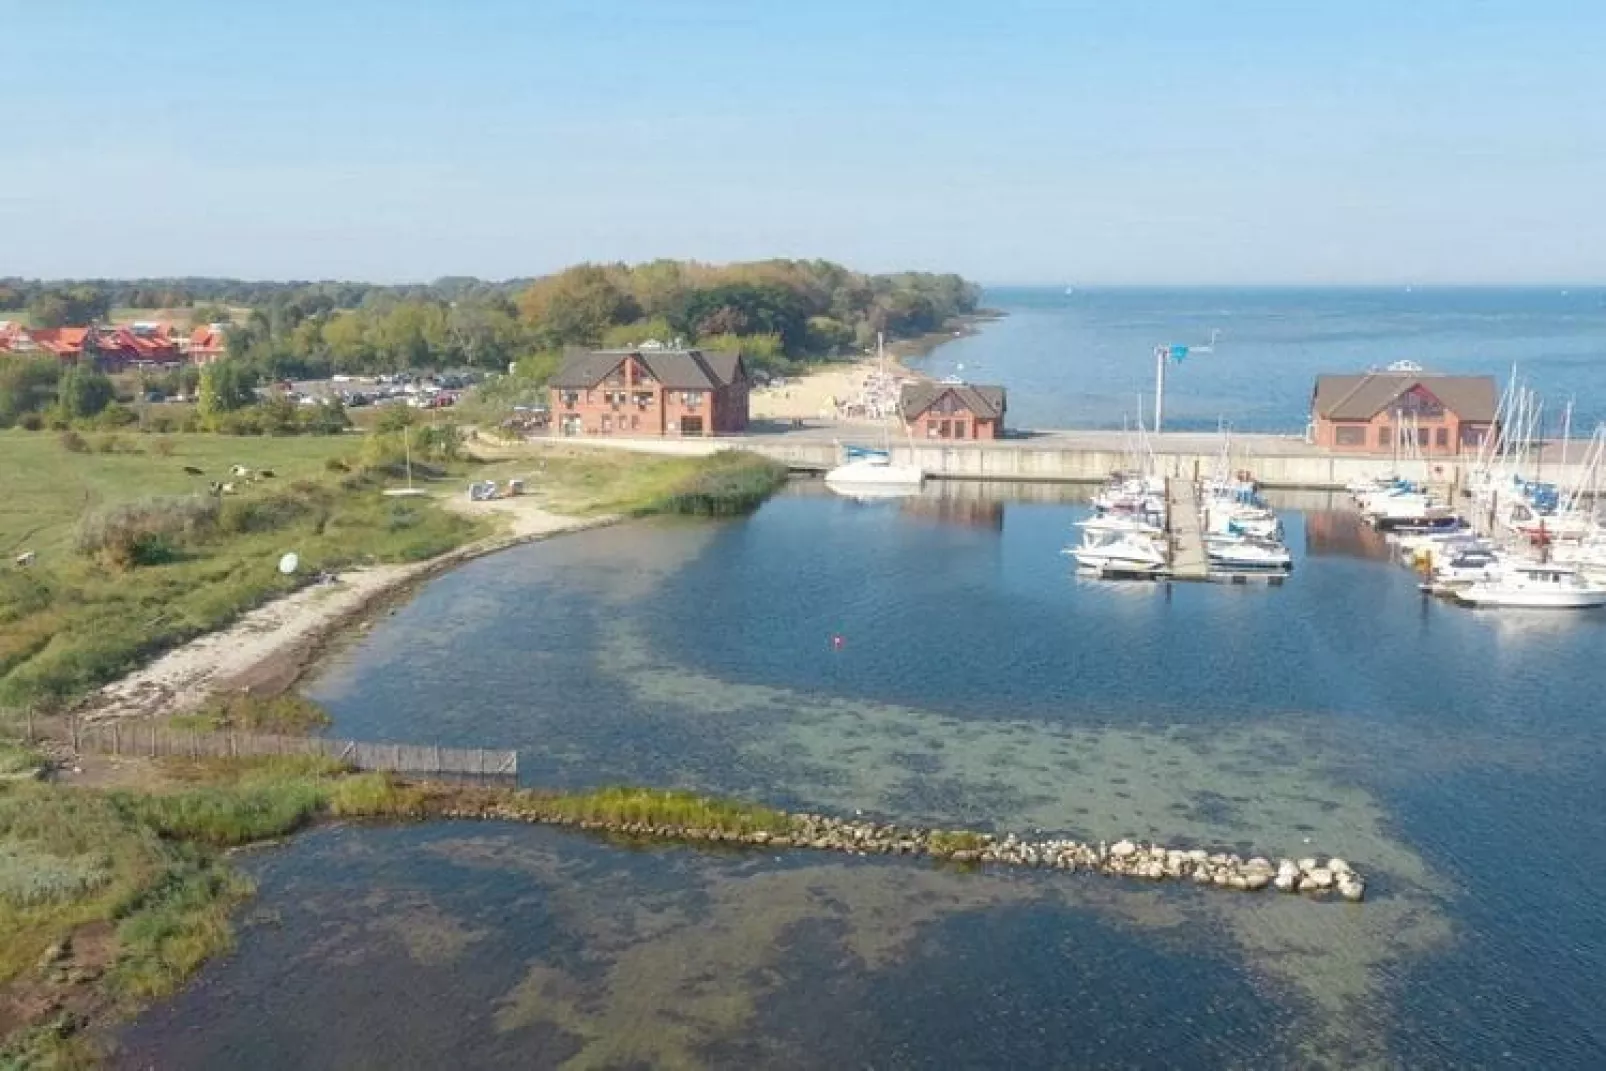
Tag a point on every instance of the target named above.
point(822, 393)
point(267, 649)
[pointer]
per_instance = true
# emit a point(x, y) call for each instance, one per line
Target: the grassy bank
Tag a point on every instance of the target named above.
point(584, 481)
point(129, 560)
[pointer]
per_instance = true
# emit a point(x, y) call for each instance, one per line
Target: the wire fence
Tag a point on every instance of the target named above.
point(423, 760)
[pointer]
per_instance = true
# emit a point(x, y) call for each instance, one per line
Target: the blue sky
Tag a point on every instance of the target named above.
point(1010, 140)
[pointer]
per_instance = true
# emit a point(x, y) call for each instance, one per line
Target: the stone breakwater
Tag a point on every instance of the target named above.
point(1311, 876)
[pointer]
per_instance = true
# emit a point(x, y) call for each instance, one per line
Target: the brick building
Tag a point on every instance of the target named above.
point(650, 392)
point(952, 410)
point(1433, 414)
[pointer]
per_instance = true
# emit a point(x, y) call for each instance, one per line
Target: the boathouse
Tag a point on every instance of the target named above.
point(952, 410)
point(1403, 408)
point(647, 391)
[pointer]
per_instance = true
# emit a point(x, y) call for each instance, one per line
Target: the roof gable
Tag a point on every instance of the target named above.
point(985, 402)
point(673, 369)
point(1362, 397)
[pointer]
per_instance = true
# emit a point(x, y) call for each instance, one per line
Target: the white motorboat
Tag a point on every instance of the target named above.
point(873, 468)
point(1122, 522)
point(1128, 552)
point(1468, 567)
point(1248, 553)
point(1535, 586)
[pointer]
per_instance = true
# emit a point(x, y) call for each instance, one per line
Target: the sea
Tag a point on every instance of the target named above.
point(1455, 757)
point(1084, 357)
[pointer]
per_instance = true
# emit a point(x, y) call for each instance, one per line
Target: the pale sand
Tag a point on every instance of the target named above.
point(274, 641)
point(811, 396)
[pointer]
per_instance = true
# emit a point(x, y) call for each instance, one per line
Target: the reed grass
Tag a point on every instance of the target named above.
point(622, 805)
point(948, 841)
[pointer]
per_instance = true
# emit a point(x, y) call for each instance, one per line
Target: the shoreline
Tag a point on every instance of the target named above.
point(269, 649)
point(815, 394)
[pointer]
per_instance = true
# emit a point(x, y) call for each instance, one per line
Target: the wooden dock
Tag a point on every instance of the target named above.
point(1185, 534)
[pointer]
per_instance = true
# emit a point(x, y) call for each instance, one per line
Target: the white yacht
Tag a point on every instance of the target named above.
point(1536, 586)
point(873, 468)
point(1128, 552)
point(1248, 553)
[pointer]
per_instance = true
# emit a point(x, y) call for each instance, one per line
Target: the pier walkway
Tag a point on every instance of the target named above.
point(1186, 536)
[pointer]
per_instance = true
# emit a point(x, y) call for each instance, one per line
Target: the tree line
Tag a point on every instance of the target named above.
point(778, 312)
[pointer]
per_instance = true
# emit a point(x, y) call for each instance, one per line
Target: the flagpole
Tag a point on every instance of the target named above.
point(1159, 386)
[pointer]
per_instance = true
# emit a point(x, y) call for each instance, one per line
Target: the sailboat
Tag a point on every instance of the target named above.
point(866, 467)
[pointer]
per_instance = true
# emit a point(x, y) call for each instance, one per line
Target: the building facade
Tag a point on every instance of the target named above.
point(650, 392)
point(953, 410)
point(1403, 409)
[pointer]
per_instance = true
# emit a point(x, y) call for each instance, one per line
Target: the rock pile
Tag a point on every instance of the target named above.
point(1125, 858)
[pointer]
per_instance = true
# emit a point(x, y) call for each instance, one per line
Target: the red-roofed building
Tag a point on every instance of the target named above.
point(14, 338)
point(208, 344)
point(118, 347)
point(64, 343)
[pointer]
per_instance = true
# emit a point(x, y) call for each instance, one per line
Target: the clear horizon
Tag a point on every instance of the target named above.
point(1233, 145)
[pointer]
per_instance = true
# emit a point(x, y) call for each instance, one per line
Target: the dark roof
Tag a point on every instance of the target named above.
point(984, 402)
point(675, 369)
point(1362, 397)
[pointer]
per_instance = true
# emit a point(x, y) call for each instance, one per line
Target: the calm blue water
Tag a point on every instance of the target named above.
point(1454, 756)
point(1080, 360)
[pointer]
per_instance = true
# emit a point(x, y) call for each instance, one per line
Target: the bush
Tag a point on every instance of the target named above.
point(108, 444)
point(285, 715)
point(271, 513)
point(335, 464)
point(31, 422)
point(734, 482)
point(30, 876)
point(147, 531)
point(115, 416)
point(73, 442)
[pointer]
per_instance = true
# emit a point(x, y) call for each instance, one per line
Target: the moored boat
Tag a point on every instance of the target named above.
point(1535, 586)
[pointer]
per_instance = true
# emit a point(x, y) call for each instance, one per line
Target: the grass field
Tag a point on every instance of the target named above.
point(45, 489)
point(173, 562)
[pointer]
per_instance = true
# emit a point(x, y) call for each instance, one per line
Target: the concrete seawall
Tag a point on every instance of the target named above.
point(1276, 461)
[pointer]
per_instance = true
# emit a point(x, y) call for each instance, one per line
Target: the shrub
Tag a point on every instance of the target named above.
point(271, 513)
point(31, 422)
point(161, 425)
point(30, 876)
point(107, 444)
point(115, 416)
point(147, 531)
point(163, 447)
point(733, 482)
point(73, 442)
point(335, 464)
point(288, 715)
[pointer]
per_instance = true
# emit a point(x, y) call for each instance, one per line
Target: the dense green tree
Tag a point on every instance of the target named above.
point(576, 306)
point(83, 392)
point(224, 388)
point(26, 386)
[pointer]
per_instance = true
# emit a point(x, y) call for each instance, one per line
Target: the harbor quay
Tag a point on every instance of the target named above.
point(1089, 456)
